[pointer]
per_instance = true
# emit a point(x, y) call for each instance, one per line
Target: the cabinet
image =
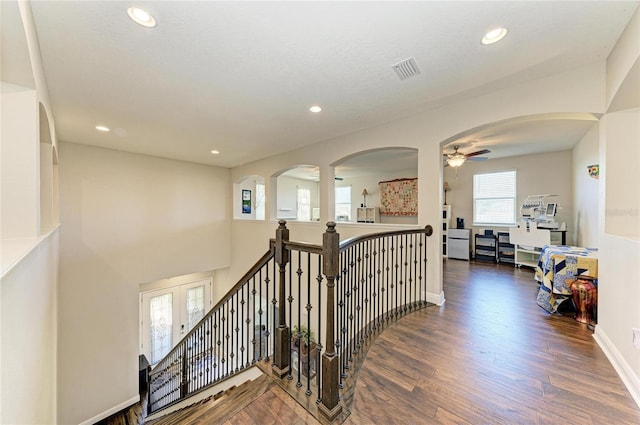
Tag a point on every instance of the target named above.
point(486, 248)
point(459, 244)
point(446, 220)
point(528, 241)
point(527, 255)
point(506, 250)
point(368, 215)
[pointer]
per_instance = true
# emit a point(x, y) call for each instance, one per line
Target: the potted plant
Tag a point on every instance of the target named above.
point(304, 346)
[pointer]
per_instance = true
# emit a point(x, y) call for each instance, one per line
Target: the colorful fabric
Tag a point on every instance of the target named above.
point(558, 267)
point(399, 197)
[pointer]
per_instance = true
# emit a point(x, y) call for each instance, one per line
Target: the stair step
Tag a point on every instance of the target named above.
point(228, 403)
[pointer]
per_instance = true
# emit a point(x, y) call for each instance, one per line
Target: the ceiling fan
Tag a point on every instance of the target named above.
point(456, 158)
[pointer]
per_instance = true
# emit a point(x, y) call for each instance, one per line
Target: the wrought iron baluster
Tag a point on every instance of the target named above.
point(261, 328)
point(290, 301)
point(297, 336)
point(367, 291)
point(242, 328)
point(308, 341)
point(235, 332)
point(318, 368)
point(340, 344)
point(403, 256)
point(267, 332)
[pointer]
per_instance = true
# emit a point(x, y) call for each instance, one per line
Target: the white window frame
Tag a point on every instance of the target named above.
point(508, 198)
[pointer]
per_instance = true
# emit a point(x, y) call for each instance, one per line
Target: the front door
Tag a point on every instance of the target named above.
point(169, 314)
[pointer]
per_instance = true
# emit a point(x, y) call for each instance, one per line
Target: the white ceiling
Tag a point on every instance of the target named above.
point(239, 77)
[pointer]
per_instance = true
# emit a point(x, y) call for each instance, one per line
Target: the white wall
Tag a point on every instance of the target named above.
point(20, 216)
point(548, 173)
point(126, 219)
point(28, 251)
point(28, 333)
point(618, 272)
point(586, 190)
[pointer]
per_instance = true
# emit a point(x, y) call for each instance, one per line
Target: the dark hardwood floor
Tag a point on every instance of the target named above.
point(490, 355)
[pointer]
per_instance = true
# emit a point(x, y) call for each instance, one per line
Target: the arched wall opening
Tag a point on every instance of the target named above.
point(295, 193)
point(249, 198)
point(541, 150)
point(377, 186)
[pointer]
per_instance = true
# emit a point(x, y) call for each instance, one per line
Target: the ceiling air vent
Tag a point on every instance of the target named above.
point(406, 68)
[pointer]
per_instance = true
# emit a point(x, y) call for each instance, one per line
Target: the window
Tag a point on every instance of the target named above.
point(343, 203)
point(303, 205)
point(494, 198)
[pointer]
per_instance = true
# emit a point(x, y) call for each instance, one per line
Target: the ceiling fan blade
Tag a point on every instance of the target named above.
point(481, 152)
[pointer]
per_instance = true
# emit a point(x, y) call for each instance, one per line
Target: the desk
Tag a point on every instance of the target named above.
point(557, 267)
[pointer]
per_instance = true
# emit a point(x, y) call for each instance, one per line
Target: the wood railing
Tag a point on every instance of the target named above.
point(308, 311)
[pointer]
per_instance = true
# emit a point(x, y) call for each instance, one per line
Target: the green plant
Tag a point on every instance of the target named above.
point(304, 335)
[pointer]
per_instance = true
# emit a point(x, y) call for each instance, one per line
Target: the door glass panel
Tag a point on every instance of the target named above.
point(161, 326)
point(195, 306)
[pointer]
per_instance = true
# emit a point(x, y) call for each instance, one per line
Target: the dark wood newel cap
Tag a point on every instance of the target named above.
point(282, 223)
point(429, 229)
point(331, 226)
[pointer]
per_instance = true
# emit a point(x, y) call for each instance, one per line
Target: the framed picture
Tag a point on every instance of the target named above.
point(246, 201)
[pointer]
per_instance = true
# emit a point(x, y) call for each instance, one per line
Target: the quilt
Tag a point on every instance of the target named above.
point(399, 197)
point(558, 267)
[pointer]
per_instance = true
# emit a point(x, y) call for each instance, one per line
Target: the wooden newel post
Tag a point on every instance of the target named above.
point(282, 352)
point(330, 406)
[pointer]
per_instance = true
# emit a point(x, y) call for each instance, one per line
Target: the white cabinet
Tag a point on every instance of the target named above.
point(528, 241)
point(527, 256)
point(368, 215)
point(446, 220)
point(459, 244)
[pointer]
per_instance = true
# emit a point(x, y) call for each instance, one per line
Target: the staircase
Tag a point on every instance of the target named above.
point(333, 298)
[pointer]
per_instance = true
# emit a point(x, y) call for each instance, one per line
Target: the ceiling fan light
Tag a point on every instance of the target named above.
point(456, 161)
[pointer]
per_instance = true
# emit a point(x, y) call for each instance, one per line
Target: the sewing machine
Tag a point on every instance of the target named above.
point(535, 209)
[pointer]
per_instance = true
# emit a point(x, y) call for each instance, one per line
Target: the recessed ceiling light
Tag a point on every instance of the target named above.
point(102, 128)
point(315, 109)
point(494, 36)
point(215, 152)
point(141, 17)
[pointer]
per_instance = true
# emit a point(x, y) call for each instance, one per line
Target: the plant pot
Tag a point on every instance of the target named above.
point(304, 357)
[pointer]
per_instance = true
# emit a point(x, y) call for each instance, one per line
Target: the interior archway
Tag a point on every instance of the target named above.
point(297, 193)
point(249, 198)
point(359, 175)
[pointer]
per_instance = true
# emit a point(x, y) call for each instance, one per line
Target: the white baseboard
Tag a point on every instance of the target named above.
point(437, 299)
point(109, 412)
point(626, 373)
